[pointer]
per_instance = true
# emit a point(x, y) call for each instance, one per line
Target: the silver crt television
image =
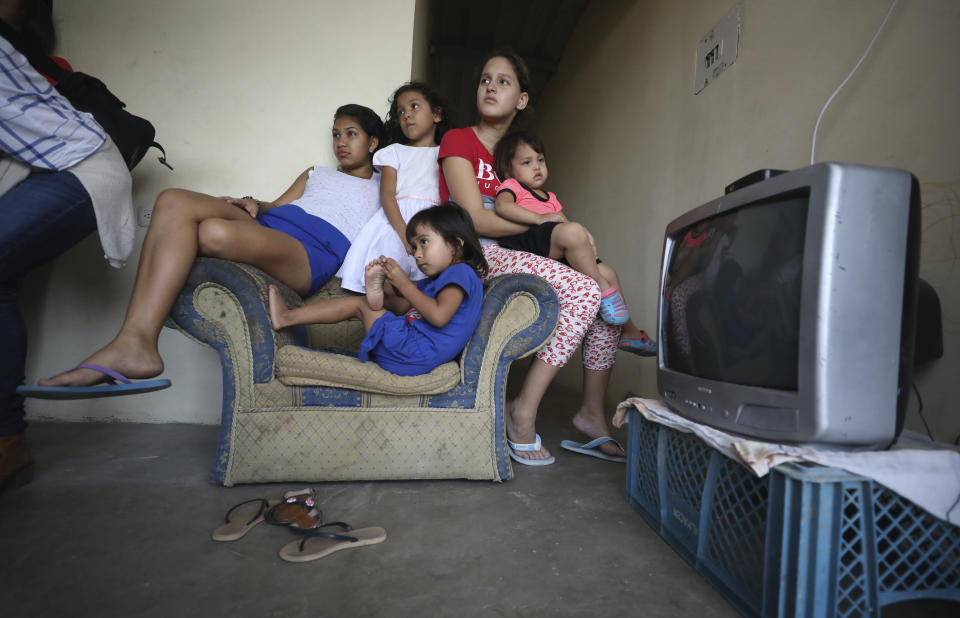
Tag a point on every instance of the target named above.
point(787, 306)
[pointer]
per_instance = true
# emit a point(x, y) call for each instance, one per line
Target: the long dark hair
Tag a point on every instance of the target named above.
point(455, 226)
point(523, 79)
point(434, 99)
point(369, 121)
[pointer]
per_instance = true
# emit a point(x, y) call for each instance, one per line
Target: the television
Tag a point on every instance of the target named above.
point(787, 306)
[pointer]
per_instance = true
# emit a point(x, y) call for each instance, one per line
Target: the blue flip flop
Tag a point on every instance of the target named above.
point(592, 448)
point(119, 385)
point(516, 447)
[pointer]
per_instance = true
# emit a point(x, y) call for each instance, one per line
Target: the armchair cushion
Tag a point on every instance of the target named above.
point(299, 366)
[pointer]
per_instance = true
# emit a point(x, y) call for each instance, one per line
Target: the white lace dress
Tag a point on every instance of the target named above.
point(418, 187)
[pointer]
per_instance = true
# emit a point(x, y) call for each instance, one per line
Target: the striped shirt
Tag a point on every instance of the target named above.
point(38, 125)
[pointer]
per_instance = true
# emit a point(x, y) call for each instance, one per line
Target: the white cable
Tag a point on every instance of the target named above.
point(813, 146)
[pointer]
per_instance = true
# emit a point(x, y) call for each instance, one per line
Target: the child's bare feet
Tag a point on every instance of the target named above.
point(278, 309)
point(374, 276)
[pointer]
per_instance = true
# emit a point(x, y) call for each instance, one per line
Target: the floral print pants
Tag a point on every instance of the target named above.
point(579, 301)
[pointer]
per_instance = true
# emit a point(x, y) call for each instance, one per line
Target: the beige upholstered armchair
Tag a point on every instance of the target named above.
point(299, 406)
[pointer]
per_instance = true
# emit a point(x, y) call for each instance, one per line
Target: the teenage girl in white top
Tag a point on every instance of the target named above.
point(300, 246)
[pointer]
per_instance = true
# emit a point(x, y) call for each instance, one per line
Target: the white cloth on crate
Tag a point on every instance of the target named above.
point(418, 187)
point(324, 193)
point(42, 130)
point(926, 473)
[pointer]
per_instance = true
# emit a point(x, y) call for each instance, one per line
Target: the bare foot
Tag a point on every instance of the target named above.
point(525, 433)
point(129, 359)
point(596, 427)
point(374, 276)
point(278, 309)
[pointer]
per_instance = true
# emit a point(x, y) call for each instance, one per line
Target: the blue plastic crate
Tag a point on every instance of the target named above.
point(803, 541)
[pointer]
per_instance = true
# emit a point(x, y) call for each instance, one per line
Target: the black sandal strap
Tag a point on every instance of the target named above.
point(314, 532)
point(263, 506)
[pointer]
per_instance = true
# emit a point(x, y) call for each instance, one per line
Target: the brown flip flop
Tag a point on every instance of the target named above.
point(298, 510)
point(318, 543)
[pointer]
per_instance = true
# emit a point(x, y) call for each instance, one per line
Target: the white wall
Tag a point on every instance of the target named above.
point(630, 146)
point(242, 94)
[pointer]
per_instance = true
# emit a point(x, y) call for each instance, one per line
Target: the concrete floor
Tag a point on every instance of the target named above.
point(118, 518)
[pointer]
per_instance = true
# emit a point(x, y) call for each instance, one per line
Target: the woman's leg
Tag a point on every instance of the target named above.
point(590, 419)
point(170, 247)
point(571, 241)
point(521, 412)
point(578, 294)
point(599, 353)
point(579, 299)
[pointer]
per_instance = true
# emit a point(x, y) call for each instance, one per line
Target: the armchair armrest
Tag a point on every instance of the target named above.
point(218, 291)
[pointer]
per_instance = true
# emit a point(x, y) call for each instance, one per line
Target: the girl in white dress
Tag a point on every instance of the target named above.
point(409, 182)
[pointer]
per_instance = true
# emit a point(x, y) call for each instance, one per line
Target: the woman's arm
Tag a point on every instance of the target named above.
point(437, 311)
point(388, 200)
point(255, 206)
point(462, 182)
point(507, 207)
point(293, 193)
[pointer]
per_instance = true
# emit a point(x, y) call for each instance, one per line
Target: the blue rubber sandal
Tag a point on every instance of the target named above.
point(516, 447)
point(592, 448)
point(641, 346)
point(613, 310)
point(117, 384)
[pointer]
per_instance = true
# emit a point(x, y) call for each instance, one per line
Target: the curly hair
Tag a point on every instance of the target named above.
point(435, 100)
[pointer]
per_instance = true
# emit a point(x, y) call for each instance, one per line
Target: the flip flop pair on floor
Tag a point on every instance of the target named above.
point(116, 384)
point(591, 448)
point(299, 512)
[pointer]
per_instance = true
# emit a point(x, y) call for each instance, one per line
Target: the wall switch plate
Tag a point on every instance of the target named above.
point(143, 216)
point(718, 50)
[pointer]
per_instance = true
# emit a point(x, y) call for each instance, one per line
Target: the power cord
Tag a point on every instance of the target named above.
point(813, 146)
point(920, 412)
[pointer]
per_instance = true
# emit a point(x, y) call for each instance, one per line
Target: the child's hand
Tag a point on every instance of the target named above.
point(395, 273)
point(552, 216)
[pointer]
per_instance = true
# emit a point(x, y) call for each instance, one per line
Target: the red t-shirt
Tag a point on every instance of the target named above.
point(464, 143)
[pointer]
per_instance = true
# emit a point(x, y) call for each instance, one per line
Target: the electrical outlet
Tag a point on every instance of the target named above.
point(718, 50)
point(143, 216)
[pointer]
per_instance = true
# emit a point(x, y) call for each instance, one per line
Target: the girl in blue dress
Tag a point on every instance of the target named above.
point(412, 327)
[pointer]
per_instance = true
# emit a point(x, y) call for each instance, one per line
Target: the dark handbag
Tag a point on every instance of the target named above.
point(132, 134)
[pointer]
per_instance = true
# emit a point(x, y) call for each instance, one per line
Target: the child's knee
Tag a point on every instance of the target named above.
point(572, 234)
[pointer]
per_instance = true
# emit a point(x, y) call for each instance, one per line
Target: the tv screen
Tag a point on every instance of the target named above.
point(732, 294)
point(787, 306)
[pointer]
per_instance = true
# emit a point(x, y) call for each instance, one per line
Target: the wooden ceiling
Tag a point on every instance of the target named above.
point(462, 33)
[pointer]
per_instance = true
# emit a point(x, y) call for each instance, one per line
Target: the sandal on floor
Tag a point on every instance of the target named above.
point(298, 510)
point(241, 518)
point(319, 543)
point(613, 310)
point(642, 345)
point(516, 447)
